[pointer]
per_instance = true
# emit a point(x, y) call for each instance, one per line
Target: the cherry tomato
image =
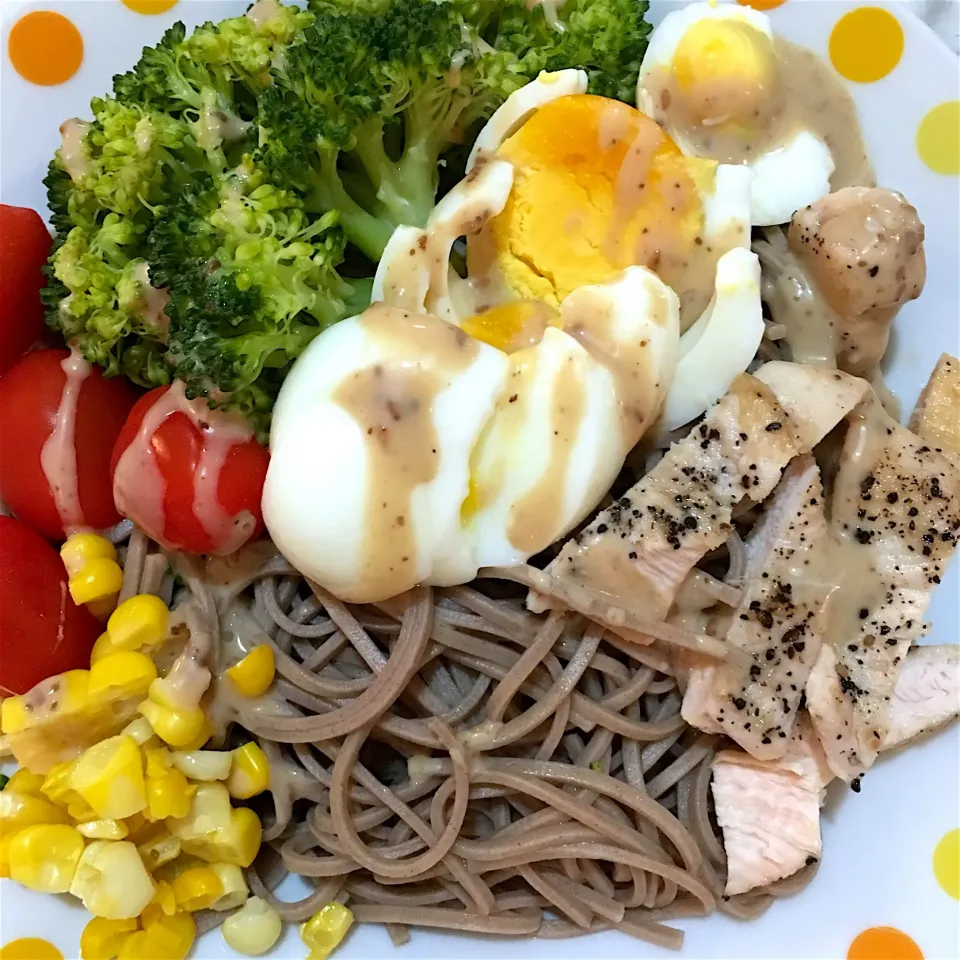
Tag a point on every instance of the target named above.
point(24, 248)
point(176, 448)
point(30, 399)
point(42, 631)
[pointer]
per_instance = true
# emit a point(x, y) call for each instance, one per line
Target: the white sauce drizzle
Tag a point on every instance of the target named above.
point(73, 153)
point(139, 487)
point(263, 11)
point(58, 457)
point(153, 300)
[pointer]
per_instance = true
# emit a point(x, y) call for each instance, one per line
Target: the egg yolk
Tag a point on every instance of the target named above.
point(724, 71)
point(513, 325)
point(598, 186)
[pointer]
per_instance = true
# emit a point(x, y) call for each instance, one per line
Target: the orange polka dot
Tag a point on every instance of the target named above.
point(45, 48)
point(884, 943)
point(946, 863)
point(30, 948)
point(149, 6)
point(866, 44)
point(938, 139)
point(762, 4)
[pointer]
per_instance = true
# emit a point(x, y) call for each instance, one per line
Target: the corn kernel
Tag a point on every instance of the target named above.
point(78, 809)
point(56, 784)
point(123, 674)
point(203, 764)
point(250, 773)
point(176, 727)
point(138, 622)
point(159, 761)
point(18, 810)
point(139, 731)
point(168, 795)
point(102, 609)
point(109, 776)
point(197, 888)
point(157, 848)
point(323, 932)
point(169, 937)
point(237, 843)
point(254, 929)
point(5, 841)
point(103, 830)
point(112, 881)
point(81, 548)
point(201, 738)
point(164, 901)
point(102, 648)
point(23, 781)
point(235, 890)
point(253, 675)
point(102, 939)
point(45, 858)
point(210, 810)
point(100, 579)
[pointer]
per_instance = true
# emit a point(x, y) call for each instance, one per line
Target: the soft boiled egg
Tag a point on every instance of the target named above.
point(712, 76)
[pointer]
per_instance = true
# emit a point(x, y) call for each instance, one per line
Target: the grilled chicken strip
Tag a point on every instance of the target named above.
point(754, 698)
point(936, 418)
point(927, 694)
point(894, 525)
point(638, 551)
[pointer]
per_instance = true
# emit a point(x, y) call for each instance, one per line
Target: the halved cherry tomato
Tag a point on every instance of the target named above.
point(42, 631)
point(24, 248)
point(174, 514)
point(30, 400)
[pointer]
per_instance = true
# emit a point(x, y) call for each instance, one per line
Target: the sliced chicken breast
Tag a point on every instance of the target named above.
point(769, 812)
point(754, 698)
point(638, 551)
point(927, 694)
point(895, 521)
point(936, 418)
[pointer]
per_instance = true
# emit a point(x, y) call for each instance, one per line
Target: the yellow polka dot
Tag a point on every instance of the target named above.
point(45, 48)
point(946, 858)
point(762, 4)
point(884, 943)
point(149, 6)
point(938, 138)
point(866, 44)
point(30, 948)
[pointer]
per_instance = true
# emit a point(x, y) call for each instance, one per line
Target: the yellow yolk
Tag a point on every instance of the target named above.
point(598, 186)
point(511, 325)
point(724, 71)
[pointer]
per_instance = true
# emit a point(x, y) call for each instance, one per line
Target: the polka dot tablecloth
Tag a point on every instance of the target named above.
point(55, 50)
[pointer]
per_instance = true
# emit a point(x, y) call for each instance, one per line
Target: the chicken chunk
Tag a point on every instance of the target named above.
point(927, 694)
point(936, 417)
point(769, 812)
point(754, 699)
point(863, 249)
point(638, 551)
point(894, 526)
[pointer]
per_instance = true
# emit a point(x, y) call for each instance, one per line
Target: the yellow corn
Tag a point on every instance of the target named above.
point(250, 773)
point(158, 848)
point(112, 881)
point(122, 674)
point(178, 727)
point(5, 841)
point(56, 784)
point(166, 937)
point(78, 809)
point(19, 810)
point(81, 548)
point(139, 731)
point(253, 675)
point(235, 890)
point(99, 579)
point(138, 622)
point(210, 810)
point(102, 648)
point(323, 932)
point(45, 858)
point(158, 761)
point(109, 776)
point(102, 939)
point(254, 929)
point(164, 901)
point(23, 781)
point(206, 732)
point(168, 795)
point(203, 764)
point(197, 888)
point(104, 830)
point(214, 831)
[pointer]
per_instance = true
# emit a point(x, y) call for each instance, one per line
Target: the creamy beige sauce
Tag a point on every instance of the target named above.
point(263, 11)
point(639, 393)
point(73, 152)
point(540, 512)
point(153, 301)
point(139, 487)
point(805, 95)
point(216, 126)
point(393, 404)
point(58, 456)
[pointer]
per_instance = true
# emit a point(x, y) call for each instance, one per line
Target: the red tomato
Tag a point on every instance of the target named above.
point(30, 397)
point(42, 631)
point(24, 248)
point(175, 450)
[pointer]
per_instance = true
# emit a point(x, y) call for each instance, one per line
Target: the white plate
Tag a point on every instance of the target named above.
point(878, 846)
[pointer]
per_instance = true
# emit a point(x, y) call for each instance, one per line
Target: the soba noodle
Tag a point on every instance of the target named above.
point(448, 759)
